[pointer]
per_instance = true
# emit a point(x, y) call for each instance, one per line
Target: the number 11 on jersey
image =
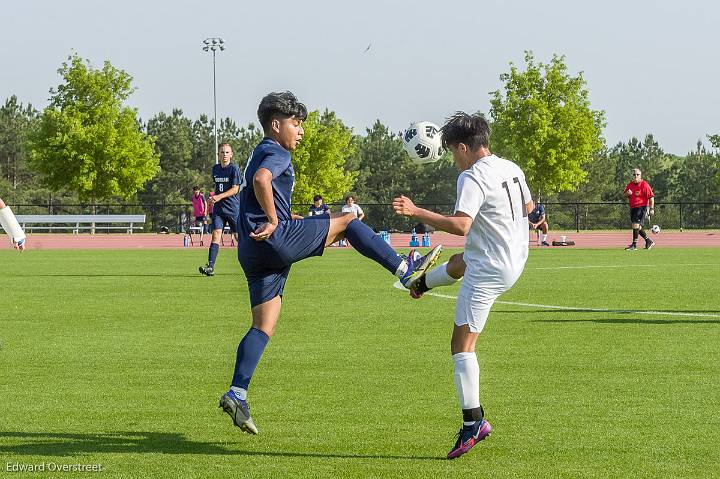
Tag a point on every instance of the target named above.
point(522, 197)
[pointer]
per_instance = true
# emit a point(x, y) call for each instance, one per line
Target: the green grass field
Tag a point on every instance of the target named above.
point(118, 358)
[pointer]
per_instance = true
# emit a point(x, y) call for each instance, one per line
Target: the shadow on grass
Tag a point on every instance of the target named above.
point(630, 321)
point(130, 275)
point(130, 442)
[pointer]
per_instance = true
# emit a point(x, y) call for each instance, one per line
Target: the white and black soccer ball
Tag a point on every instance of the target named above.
point(655, 229)
point(423, 142)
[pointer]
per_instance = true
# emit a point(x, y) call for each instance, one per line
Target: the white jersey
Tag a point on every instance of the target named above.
point(493, 192)
point(354, 209)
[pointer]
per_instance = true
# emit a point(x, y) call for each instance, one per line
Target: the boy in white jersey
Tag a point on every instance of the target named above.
point(493, 202)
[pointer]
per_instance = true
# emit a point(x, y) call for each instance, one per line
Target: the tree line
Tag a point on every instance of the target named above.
point(89, 146)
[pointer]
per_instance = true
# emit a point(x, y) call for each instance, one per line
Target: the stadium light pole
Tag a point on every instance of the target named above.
point(214, 44)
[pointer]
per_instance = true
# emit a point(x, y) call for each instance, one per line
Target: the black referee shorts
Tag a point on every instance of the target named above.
point(639, 215)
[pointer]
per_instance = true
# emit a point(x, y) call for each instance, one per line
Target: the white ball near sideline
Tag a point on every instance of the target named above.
point(655, 229)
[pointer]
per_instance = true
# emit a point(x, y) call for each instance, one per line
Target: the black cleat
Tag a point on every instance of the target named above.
point(207, 270)
point(649, 243)
point(631, 247)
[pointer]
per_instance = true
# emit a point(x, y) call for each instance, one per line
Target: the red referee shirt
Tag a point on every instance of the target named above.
point(641, 193)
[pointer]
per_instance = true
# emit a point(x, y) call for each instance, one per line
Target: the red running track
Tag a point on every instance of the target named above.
point(582, 240)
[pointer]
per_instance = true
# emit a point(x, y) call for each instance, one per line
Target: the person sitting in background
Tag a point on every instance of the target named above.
point(318, 207)
point(351, 207)
point(538, 222)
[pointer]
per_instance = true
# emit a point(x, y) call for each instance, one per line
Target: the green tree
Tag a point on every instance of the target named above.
point(384, 169)
point(87, 140)
point(599, 185)
point(714, 140)
point(174, 140)
point(175, 144)
point(243, 139)
point(693, 180)
point(16, 121)
point(204, 155)
point(543, 121)
point(319, 159)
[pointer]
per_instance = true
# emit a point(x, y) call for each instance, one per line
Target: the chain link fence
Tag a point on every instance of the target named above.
point(560, 216)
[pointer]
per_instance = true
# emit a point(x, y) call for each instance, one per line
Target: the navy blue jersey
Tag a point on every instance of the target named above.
point(270, 155)
point(226, 178)
point(318, 210)
point(536, 213)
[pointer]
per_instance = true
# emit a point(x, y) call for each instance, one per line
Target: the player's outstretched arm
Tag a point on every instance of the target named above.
point(457, 224)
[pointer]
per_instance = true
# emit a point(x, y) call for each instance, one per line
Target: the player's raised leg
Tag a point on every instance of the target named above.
point(370, 245)
point(10, 224)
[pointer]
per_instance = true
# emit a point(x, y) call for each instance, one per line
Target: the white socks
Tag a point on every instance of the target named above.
point(239, 392)
point(402, 269)
point(544, 236)
point(467, 380)
point(439, 277)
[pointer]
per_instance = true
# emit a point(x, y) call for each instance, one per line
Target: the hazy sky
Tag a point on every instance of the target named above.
point(652, 66)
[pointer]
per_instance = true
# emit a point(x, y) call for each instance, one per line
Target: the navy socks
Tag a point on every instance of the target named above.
point(249, 352)
point(212, 254)
point(372, 246)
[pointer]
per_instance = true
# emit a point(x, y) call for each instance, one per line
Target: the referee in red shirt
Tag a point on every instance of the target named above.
point(642, 203)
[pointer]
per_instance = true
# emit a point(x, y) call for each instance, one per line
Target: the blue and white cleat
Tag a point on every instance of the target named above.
point(239, 411)
point(418, 266)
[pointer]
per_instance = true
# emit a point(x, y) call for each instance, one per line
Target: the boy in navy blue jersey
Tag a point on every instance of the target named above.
point(271, 239)
point(225, 202)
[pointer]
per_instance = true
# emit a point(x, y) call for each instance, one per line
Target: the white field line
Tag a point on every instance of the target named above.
point(398, 285)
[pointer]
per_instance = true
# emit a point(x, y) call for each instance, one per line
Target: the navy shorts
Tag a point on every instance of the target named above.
point(267, 263)
point(639, 215)
point(219, 221)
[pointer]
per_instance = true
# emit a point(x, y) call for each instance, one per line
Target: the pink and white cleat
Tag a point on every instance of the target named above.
point(468, 437)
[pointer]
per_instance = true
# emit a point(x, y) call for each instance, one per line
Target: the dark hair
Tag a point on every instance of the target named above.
point(472, 130)
point(348, 197)
point(196, 188)
point(317, 198)
point(280, 105)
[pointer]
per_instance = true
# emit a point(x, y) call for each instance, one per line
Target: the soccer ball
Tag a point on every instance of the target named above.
point(655, 229)
point(422, 142)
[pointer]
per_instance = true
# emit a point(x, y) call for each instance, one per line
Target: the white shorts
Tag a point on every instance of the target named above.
point(473, 305)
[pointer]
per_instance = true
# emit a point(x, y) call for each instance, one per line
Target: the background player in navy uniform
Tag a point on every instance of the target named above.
point(538, 222)
point(225, 202)
point(318, 207)
point(270, 240)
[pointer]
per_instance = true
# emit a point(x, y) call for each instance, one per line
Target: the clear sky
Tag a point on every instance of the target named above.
point(653, 66)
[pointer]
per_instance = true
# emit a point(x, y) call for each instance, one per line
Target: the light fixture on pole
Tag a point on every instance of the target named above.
point(214, 44)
